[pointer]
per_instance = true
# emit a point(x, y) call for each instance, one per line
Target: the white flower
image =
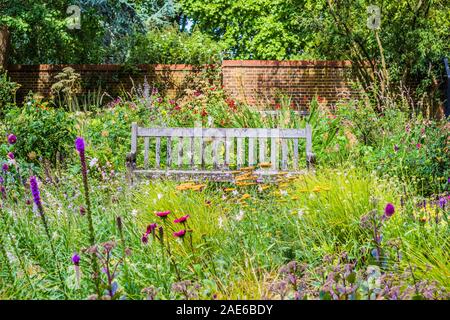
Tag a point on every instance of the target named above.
point(220, 220)
point(134, 212)
point(159, 196)
point(240, 215)
point(283, 193)
point(235, 193)
point(93, 162)
point(300, 213)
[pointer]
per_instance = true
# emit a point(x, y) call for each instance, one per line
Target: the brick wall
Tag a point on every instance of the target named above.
point(253, 81)
point(170, 79)
point(266, 81)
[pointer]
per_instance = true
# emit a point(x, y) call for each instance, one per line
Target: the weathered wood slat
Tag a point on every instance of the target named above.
point(215, 146)
point(295, 160)
point(228, 149)
point(284, 154)
point(262, 150)
point(180, 152)
point(240, 152)
point(134, 136)
point(191, 151)
point(274, 153)
point(251, 151)
point(221, 132)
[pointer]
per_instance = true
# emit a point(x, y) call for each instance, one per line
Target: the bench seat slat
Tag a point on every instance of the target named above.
point(221, 132)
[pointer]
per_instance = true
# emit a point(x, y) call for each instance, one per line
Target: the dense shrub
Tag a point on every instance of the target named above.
point(173, 46)
point(42, 131)
point(7, 90)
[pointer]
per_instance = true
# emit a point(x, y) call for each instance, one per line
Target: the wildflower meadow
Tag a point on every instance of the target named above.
point(367, 219)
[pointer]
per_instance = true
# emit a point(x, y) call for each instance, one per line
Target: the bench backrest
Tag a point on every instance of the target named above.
point(200, 147)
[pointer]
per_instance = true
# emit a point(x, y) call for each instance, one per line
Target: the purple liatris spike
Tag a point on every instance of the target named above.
point(79, 144)
point(35, 191)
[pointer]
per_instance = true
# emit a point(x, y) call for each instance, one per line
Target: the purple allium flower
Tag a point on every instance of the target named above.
point(396, 148)
point(179, 234)
point(144, 239)
point(79, 145)
point(11, 155)
point(12, 139)
point(389, 210)
point(35, 192)
point(5, 167)
point(448, 180)
point(181, 219)
point(76, 259)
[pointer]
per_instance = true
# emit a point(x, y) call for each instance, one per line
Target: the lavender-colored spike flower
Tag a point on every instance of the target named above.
point(79, 145)
point(10, 155)
point(442, 202)
point(35, 192)
point(5, 167)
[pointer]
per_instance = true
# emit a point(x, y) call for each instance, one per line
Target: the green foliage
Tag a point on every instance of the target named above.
point(7, 90)
point(41, 131)
point(171, 46)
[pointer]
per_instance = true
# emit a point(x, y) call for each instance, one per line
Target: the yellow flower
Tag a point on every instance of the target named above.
point(251, 168)
point(265, 165)
point(316, 189)
point(229, 189)
point(245, 196)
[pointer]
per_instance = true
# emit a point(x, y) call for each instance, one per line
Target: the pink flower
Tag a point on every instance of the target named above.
point(11, 155)
point(181, 219)
point(151, 227)
point(418, 145)
point(163, 214)
point(179, 234)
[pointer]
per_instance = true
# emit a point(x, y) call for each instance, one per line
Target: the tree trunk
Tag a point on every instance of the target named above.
point(4, 46)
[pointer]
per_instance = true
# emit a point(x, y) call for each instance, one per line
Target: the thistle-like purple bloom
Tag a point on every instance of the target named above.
point(76, 259)
point(10, 155)
point(12, 139)
point(389, 210)
point(35, 192)
point(5, 167)
point(396, 148)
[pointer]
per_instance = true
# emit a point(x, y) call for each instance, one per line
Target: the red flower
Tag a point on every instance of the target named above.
point(204, 113)
point(179, 234)
point(177, 107)
point(277, 106)
point(181, 219)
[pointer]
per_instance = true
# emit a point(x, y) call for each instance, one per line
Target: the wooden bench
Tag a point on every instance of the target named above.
point(208, 153)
